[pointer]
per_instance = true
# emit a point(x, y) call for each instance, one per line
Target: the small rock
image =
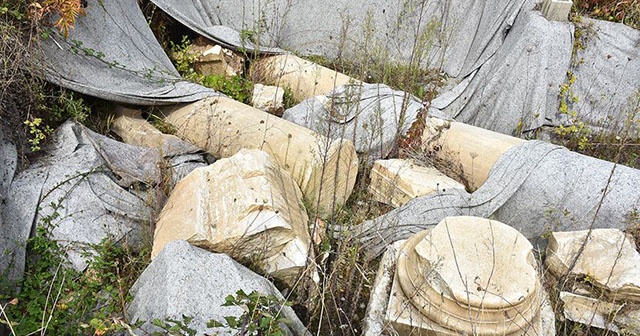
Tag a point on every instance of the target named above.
point(268, 98)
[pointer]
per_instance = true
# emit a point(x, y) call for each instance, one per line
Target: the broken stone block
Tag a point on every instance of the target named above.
point(245, 206)
point(184, 280)
point(469, 151)
point(556, 10)
point(606, 257)
point(305, 78)
point(397, 181)
point(466, 275)
point(324, 169)
point(268, 98)
point(374, 323)
point(211, 59)
point(590, 311)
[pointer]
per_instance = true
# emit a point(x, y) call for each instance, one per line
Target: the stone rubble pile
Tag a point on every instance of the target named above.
point(604, 268)
point(450, 266)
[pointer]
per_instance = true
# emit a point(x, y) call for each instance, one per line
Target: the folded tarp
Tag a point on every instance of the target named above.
point(112, 54)
point(458, 35)
point(535, 187)
point(517, 89)
point(203, 18)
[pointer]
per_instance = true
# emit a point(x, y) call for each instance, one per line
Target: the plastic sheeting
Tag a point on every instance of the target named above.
point(373, 116)
point(535, 187)
point(87, 188)
point(607, 75)
point(517, 89)
point(374, 27)
point(201, 17)
point(112, 54)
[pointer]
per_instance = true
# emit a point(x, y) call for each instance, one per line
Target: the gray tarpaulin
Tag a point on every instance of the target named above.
point(112, 54)
point(535, 187)
point(466, 34)
point(100, 188)
point(373, 116)
point(517, 89)
point(607, 74)
point(203, 17)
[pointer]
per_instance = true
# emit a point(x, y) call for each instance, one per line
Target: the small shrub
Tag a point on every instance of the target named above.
point(39, 132)
point(261, 316)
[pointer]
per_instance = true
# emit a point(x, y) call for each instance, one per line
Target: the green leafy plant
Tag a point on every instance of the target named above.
point(39, 132)
point(235, 87)
point(174, 327)
point(261, 316)
point(68, 106)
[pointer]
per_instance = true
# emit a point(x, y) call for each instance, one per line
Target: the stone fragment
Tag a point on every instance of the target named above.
point(325, 170)
point(556, 10)
point(374, 323)
point(268, 98)
point(467, 275)
point(211, 59)
point(305, 78)
point(607, 257)
point(245, 206)
point(184, 280)
point(590, 311)
point(397, 181)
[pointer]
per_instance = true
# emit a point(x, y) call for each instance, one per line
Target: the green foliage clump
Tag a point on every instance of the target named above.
point(184, 60)
point(235, 87)
point(261, 316)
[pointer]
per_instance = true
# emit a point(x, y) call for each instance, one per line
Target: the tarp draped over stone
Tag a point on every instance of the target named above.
point(203, 17)
point(535, 187)
point(607, 75)
point(332, 28)
point(372, 116)
point(188, 281)
point(86, 188)
point(112, 54)
point(517, 89)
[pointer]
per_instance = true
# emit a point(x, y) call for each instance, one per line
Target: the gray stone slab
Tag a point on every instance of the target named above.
point(188, 281)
